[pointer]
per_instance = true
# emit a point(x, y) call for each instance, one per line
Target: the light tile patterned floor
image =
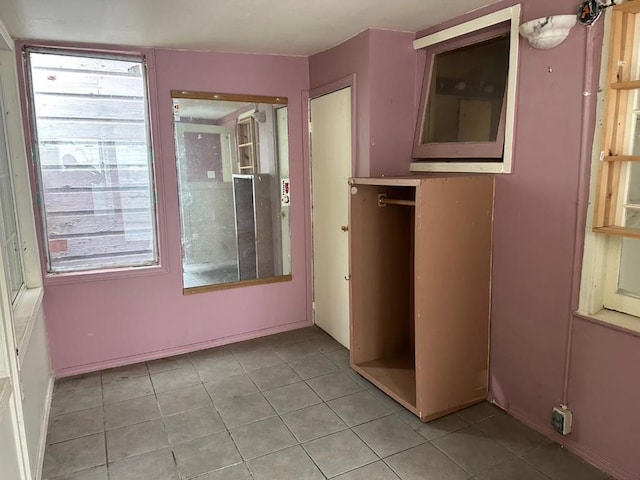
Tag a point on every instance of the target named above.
point(283, 407)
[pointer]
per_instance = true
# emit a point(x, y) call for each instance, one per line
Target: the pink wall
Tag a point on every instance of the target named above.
point(604, 393)
point(540, 212)
point(94, 324)
point(350, 57)
point(539, 224)
point(392, 73)
point(383, 62)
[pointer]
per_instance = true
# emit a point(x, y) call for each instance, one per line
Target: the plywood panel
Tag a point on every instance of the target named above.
point(381, 266)
point(453, 268)
point(394, 375)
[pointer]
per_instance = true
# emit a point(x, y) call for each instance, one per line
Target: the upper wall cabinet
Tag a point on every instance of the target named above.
point(467, 102)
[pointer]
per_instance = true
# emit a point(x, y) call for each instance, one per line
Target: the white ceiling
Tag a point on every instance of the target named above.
point(288, 27)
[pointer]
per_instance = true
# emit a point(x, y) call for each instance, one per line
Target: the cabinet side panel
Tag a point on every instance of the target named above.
point(452, 276)
point(381, 271)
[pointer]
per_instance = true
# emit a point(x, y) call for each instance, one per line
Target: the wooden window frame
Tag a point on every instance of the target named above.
point(10, 209)
point(600, 299)
point(620, 83)
point(454, 150)
point(511, 17)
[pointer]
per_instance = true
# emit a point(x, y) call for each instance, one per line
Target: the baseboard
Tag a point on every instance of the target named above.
point(43, 430)
point(585, 453)
point(169, 352)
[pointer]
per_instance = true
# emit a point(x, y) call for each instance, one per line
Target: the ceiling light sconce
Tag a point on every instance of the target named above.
point(548, 32)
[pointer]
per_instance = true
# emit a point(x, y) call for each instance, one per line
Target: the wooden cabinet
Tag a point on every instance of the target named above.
point(247, 138)
point(420, 263)
point(254, 232)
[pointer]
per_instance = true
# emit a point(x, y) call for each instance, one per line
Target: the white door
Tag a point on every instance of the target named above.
point(330, 169)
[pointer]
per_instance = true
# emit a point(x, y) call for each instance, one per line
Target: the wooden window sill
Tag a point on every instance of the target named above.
point(25, 315)
point(616, 320)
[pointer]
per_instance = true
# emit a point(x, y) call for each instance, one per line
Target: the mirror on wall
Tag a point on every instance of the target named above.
point(232, 160)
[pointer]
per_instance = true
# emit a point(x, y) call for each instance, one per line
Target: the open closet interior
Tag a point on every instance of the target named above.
point(420, 264)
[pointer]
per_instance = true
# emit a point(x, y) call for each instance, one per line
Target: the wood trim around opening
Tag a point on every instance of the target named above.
point(242, 283)
point(229, 97)
point(620, 84)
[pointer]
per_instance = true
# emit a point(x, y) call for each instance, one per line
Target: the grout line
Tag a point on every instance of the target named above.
point(104, 426)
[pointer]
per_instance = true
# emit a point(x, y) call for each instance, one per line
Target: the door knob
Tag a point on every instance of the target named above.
point(344, 228)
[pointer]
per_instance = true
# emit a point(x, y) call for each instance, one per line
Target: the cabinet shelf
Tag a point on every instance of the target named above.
point(247, 141)
point(395, 375)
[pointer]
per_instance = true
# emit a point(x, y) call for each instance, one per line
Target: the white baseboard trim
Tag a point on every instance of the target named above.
point(43, 430)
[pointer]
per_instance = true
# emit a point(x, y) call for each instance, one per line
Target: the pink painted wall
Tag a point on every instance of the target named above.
point(540, 212)
point(350, 57)
point(383, 62)
point(539, 224)
point(604, 394)
point(393, 96)
point(94, 324)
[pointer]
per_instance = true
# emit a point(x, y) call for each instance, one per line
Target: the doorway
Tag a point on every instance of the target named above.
point(331, 151)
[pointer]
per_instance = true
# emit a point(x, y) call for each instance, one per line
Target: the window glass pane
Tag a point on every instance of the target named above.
point(467, 92)
point(6, 197)
point(9, 238)
point(635, 138)
point(633, 192)
point(232, 161)
point(95, 162)
point(15, 265)
point(629, 279)
point(632, 217)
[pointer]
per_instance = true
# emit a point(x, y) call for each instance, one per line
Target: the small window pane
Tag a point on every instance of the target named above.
point(633, 192)
point(467, 92)
point(629, 279)
point(94, 161)
point(632, 218)
point(635, 138)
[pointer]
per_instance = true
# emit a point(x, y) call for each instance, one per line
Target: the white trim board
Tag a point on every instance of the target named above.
point(6, 42)
point(44, 427)
point(506, 14)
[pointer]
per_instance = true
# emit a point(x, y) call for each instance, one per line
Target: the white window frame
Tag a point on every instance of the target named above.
point(509, 14)
point(5, 250)
point(599, 298)
point(77, 274)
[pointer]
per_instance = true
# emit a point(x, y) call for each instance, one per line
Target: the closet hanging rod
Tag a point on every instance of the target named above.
point(383, 201)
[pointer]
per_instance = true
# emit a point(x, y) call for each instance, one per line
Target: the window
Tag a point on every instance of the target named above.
point(93, 157)
point(616, 187)
point(10, 245)
point(468, 96)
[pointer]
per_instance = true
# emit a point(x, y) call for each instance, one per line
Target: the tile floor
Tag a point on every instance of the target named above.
point(283, 407)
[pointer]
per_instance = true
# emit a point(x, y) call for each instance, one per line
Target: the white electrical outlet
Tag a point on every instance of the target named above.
point(561, 419)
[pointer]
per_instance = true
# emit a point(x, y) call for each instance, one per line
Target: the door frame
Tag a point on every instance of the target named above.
point(331, 87)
